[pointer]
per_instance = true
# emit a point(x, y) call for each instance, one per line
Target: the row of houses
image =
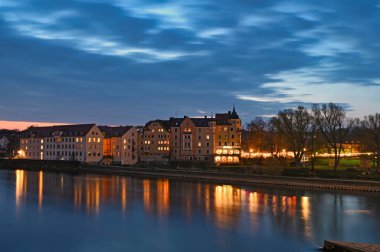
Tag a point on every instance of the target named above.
point(211, 139)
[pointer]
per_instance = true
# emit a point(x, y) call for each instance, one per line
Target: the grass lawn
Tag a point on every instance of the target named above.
point(323, 163)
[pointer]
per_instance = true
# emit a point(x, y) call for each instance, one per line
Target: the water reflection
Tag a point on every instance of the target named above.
point(40, 189)
point(223, 206)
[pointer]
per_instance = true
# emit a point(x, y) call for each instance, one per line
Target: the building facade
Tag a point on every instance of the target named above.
point(82, 142)
point(120, 144)
point(212, 139)
point(155, 141)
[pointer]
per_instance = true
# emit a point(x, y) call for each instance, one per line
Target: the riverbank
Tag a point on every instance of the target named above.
point(196, 175)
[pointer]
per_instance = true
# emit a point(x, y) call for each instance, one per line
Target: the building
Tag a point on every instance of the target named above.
point(155, 141)
point(120, 144)
point(82, 142)
point(4, 141)
point(9, 142)
point(192, 138)
point(215, 139)
point(227, 143)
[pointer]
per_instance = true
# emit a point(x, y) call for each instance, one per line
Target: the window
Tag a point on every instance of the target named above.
point(207, 137)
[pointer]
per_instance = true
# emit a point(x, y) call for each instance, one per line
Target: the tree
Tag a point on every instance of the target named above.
point(314, 143)
point(294, 125)
point(369, 132)
point(277, 141)
point(257, 135)
point(334, 126)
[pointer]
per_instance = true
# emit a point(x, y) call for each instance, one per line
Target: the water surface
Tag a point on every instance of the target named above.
point(60, 212)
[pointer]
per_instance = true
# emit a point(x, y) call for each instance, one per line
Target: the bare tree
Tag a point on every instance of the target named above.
point(369, 132)
point(294, 124)
point(277, 141)
point(257, 135)
point(314, 143)
point(334, 126)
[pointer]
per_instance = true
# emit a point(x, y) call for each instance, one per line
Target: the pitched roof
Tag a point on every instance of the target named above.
point(164, 123)
point(202, 122)
point(63, 130)
point(118, 131)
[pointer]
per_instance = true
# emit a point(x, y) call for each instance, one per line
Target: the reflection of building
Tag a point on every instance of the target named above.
point(120, 144)
point(82, 142)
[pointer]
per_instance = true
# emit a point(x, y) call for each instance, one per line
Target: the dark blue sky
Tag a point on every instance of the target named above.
point(126, 62)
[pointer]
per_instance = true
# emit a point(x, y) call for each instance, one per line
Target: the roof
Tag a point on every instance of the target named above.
point(228, 115)
point(63, 130)
point(202, 122)
point(164, 123)
point(118, 131)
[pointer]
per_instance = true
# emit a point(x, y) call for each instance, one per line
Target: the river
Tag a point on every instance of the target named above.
point(42, 211)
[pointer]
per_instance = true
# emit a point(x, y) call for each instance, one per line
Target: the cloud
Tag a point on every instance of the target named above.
point(257, 20)
point(311, 85)
point(90, 57)
point(42, 27)
point(331, 46)
point(215, 32)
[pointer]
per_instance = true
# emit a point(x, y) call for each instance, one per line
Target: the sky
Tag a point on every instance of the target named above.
point(129, 61)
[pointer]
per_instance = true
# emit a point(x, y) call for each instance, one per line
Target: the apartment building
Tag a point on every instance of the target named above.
point(192, 138)
point(82, 142)
point(155, 141)
point(120, 144)
point(214, 139)
point(227, 138)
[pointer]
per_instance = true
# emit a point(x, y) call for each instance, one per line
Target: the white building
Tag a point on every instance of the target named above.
point(82, 142)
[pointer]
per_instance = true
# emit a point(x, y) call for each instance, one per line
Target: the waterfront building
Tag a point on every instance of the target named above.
point(192, 138)
point(215, 139)
point(9, 142)
point(155, 141)
point(120, 144)
point(81, 142)
point(4, 141)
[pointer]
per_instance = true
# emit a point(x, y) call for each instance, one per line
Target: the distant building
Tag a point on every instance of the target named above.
point(4, 141)
point(155, 141)
point(9, 142)
point(120, 144)
point(82, 142)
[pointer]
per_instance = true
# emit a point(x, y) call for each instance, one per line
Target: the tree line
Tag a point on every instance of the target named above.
point(302, 131)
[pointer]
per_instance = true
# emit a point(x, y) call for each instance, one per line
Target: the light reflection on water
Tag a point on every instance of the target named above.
point(248, 215)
